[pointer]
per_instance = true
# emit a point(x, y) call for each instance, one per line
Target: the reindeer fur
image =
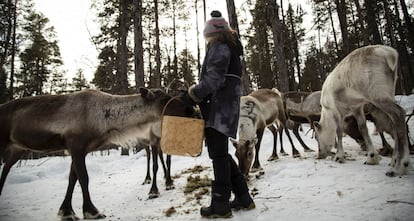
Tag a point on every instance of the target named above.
point(367, 76)
point(258, 110)
point(82, 122)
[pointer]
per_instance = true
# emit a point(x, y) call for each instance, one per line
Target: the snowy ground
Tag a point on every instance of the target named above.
point(290, 189)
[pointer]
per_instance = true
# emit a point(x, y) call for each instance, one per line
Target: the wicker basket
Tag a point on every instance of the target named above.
point(182, 136)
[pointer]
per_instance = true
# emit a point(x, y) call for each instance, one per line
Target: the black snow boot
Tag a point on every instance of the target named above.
point(242, 198)
point(244, 202)
point(220, 206)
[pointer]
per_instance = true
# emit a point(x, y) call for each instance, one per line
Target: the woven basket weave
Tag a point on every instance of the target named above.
point(182, 136)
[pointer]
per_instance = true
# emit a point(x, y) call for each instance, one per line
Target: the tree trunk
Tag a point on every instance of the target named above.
point(205, 13)
point(122, 50)
point(390, 26)
point(278, 41)
point(157, 74)
point(295, 46)
point(138, 47)
point(406, 77)
point(360, 15)
point(333, 27)
point(175, 60)
point(198, 42)
point(341, 11)
point(409, 24)
point(231, 10)
point(370, 7)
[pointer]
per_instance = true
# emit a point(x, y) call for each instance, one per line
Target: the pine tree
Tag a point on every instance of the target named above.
point(186, 66)
point(104, 77)
point(7, 26)
point(79, 82)
point(40, 58)
point(258, 55)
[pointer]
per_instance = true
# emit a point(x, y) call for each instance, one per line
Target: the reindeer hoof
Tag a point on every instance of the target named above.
point(67, 216)
point(153, 195)
point(322, 156)
point(170, 187)
point(273, 158)
point(390, 173)
point(98, 215)
point(339, 159)
point(146, 181)
point(255, 169)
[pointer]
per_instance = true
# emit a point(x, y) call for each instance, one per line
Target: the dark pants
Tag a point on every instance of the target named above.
point(227, 175)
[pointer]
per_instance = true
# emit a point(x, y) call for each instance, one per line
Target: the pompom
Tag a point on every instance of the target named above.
point(215, 14)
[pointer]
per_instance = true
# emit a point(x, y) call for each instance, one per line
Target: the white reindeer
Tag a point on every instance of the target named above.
point(82, 122)
point(364, 78)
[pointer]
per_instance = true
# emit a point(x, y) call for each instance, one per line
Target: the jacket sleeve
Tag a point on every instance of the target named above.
point(218, 60)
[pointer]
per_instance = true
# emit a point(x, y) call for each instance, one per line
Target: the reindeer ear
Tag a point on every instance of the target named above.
point(147, 93)
point(234, 142)
point(143, 91)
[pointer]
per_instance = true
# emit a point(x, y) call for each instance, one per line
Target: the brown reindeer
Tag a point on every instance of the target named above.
point(364, 79)
point(301, 107)
point(82, 122)
point(258, 110)
point(173, 88)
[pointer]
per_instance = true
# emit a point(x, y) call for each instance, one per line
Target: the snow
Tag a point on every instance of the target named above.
point(290, 189)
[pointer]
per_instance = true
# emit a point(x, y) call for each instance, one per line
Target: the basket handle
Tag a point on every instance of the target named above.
point(168, 102)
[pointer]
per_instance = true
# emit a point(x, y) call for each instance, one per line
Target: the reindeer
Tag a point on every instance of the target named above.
point(173, 88)
point(258, 110)
point(304, 107)
point(300, 108)
point(365, 79)
point(79, 123)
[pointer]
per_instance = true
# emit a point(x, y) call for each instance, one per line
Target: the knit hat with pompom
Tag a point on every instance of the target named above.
point(215, 24)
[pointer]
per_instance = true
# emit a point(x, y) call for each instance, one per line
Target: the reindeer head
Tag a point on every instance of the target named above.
point(167, 104)
point(245, 153)
point(325, 135)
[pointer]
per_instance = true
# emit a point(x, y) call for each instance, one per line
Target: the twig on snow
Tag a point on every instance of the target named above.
point(268, 198)
point(400, 201)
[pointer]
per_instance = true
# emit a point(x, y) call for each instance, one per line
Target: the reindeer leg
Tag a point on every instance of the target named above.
point(154, 193)
point(274, 155)
point(66, 211)
point(295, 152)
point(13, 157)
point(148, 176)
point(161, 156)
point(167, 176)
point(372, 155)
point(296, 133)
point(340, 154)
point(89, 210)
point(386, 149)
point(168, 180)
point(282, 150)
point(400, 163)
point(256, 164)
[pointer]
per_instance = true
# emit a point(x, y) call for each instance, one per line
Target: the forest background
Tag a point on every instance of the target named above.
point(151, 43)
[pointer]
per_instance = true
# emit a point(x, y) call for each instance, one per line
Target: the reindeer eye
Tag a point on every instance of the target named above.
point(249, 153)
